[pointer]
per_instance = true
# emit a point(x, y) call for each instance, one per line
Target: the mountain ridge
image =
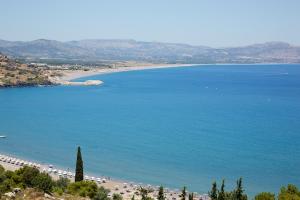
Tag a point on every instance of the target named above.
point(129, 49)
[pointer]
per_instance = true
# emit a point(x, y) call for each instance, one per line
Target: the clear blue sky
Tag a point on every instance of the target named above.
point(214, 23)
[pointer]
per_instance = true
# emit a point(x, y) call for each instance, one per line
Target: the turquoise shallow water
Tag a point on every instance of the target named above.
point(180, 126)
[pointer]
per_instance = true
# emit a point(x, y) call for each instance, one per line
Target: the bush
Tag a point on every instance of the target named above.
point(2, 170)
point(2, 174)
point(27, 175)
point(289, 193)
point(43, 182)
point(9, 174)
point(265, 196)
point(101, 194)
point(58, 191)
point(83, 188)
point(62, 183)
point(117, 197)
point(6, 186)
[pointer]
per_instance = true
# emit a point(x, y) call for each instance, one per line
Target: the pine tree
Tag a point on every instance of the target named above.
point(213, 194)
point(221, 194)
point(191, 196)
point(183, 193)
point(161, 195)
point(79, 167)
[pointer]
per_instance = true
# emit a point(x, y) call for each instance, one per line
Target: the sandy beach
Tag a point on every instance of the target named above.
point(124, 188)
point(69, 75)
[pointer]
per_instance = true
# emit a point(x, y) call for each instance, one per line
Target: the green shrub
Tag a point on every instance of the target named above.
point(83, 188)
point(27, 175)
point(289, 193)
point(58, 191)
point(2, 170)
point(265, 196)
point(6, 186)
point(43, 182)
point(8, 173)
point(62, 183)
point(117, 197)
point(2, 174)
point(101, 194)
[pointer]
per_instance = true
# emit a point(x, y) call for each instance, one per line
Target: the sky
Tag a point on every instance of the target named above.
point(215, 23)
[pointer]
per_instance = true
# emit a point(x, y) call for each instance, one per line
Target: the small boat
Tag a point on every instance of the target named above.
point(2, 136)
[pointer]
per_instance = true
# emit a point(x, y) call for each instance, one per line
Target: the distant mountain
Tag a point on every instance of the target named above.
point(120, 50)
point(278, 52)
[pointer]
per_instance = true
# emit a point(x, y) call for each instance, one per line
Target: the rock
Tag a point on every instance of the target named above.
point(48, 196)
point(10, 195)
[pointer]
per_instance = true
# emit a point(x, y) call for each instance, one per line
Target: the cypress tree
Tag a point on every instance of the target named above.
point(183, 193)
point(144, 192)
point(221, 195)
point(238, 193)
point(213, 194)
point(161, 195)
point(79, 167)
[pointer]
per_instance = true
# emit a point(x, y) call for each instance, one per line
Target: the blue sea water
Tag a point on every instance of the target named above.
point(175, 127)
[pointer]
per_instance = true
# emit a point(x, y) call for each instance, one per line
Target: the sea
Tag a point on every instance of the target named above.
point(185, 126)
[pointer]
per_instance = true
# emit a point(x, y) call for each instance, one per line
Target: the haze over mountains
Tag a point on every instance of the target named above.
point(120, 50)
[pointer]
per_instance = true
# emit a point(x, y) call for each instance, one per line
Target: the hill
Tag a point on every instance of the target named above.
point(13, 73)
point(124, 50)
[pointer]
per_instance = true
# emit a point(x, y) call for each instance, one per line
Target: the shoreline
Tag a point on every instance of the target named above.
point(123, 187)
point(70, 75)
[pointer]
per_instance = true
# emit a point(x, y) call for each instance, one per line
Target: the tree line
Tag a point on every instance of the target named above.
point(291, 192)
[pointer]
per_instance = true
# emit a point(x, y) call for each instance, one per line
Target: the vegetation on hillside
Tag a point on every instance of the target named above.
point(32, 183)
point(13, 73)
point(29, 183)
point(291, 192)
point(28, 177)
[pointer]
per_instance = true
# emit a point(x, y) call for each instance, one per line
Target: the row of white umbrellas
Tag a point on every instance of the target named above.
point(18, 162)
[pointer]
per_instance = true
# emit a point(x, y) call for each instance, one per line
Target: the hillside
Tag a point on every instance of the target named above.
point(124, 50)
point(13, 73)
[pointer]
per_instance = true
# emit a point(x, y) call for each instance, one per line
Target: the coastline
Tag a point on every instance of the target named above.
point(68, 76)
point(125, 188)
